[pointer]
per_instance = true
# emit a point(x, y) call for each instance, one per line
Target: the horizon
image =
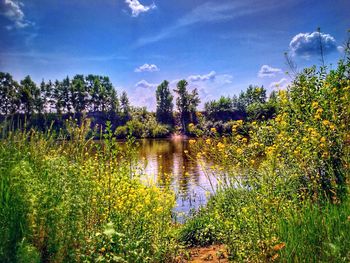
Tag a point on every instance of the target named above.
point(219, 47)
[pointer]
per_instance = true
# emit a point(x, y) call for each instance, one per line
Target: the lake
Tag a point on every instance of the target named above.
point(188, 176)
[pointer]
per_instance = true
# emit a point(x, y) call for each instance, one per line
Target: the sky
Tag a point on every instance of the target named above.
point(219, 46)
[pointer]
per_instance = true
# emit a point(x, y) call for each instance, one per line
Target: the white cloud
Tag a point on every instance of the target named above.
point(281, 84)
point(307, 44)
point(12, 10)
point(147, 68)
point(267, 71)
point(138, 8)
point(145, 84)
point(210, 76)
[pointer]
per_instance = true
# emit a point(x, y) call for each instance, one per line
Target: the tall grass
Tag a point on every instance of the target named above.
point(74, 200)
point(317, 233)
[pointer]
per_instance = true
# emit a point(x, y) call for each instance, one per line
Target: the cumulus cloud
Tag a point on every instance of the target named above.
point(210, 76)
point(138, 8)
point(281, 84)
point(267, 71)
point(145, 84)
point(307, 44)
point(147, 68)
point(12, 10)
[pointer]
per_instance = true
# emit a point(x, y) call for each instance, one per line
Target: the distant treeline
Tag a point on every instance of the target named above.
point(94, 96)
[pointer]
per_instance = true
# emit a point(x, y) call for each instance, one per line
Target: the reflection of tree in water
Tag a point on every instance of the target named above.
point(167, 158)
point(167, 162)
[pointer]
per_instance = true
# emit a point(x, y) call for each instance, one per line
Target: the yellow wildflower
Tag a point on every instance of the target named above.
point(314, 104)
point(192, 141)
point(213, 130)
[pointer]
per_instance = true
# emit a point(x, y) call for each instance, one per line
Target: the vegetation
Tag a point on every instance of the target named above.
point(77, 201)
point(282, 183)
point(279, 174)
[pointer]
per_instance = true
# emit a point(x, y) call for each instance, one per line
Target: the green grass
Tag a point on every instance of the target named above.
point(317, 233)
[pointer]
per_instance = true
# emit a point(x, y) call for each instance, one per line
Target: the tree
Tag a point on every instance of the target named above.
point(186, 104)
point(29, 96)
point(9, 97)
point(79, 94)
point(221, 110)
point(165, 104)
point(124, 107)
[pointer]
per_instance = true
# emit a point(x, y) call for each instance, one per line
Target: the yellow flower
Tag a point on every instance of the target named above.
point(319, 111)
point(213, 130)
point(220, 145)
point(325, 122)
point(323, 139)
point(244, 140)
point(239, 151)
point(192, 141)
point(314, 104)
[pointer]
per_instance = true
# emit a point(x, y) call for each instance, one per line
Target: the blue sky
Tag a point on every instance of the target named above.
point(219, 46)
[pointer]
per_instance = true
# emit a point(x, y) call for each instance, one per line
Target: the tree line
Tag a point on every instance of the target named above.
point(96, 97)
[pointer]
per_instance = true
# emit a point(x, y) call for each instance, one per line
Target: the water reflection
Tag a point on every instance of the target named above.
point(189, 179)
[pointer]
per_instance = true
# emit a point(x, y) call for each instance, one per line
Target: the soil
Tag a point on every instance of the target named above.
point(215, 253)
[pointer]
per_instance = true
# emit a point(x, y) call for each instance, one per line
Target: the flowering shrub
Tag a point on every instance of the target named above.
point(74, 200)
point(266, 170)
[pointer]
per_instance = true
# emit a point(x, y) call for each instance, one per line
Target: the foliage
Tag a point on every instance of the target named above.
point(267, 171)
point(57, 197)
point(186, 104)
point(165, 104)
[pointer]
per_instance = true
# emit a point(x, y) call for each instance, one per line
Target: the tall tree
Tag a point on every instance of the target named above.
point(124, 107)
point(79, 94)
point(165, 104)
point(186, 103)
point(9, 97)
point(29, 96)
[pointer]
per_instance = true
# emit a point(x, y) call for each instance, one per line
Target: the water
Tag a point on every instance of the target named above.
point(188, 176)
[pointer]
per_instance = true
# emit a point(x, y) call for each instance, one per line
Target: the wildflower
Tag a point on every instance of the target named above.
point(325, 122)
point(332, 127)
point(239, 151)
point(244, 140)
point(191, 125)
point(252, 162)
point(319, 111)
point(103, 250)
point(323, 139)
point(221, 146)
point(208, 141)
point(213, 130)
point(192, 141)
point(314, 104)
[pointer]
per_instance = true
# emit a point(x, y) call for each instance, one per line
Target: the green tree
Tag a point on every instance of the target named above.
point(30, 96)
point(165, 104)
point(186, 104)
point(124, 107)
point(79, 94)
point(223, 109)
point(9, 89)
